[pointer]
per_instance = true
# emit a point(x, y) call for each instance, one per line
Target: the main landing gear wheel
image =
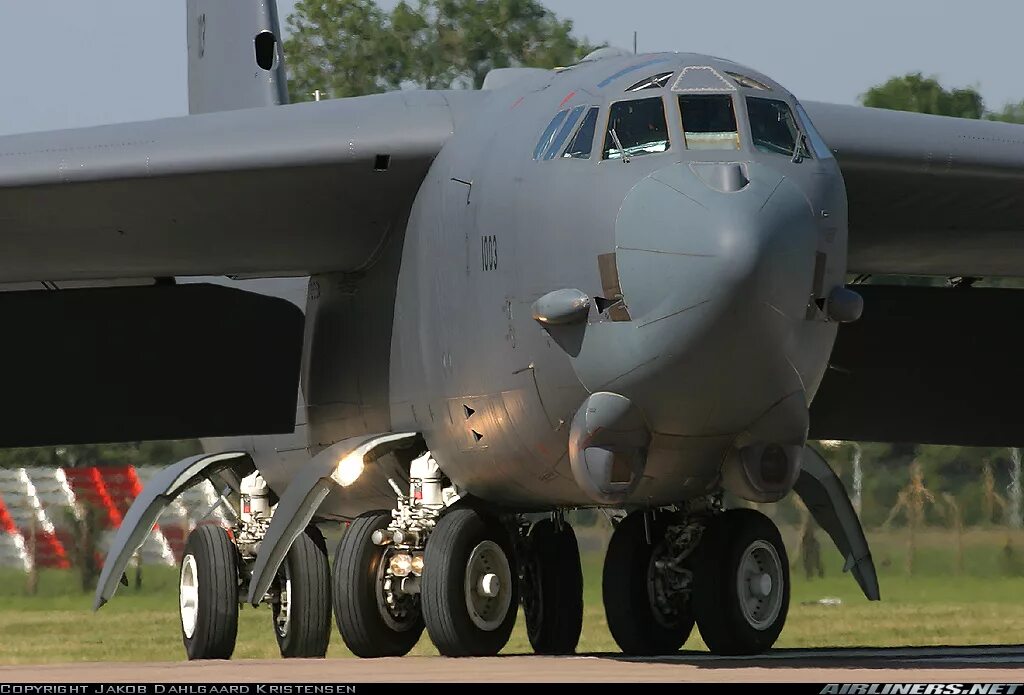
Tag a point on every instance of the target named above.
point(373, 622)
point(646, 615)
point(302, 612)
point(470, 595)
point(741, 589)
point(208, 594)
point(552, 589)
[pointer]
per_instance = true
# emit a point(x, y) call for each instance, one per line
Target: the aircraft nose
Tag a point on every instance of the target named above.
point(699, 234)
point(716, 266)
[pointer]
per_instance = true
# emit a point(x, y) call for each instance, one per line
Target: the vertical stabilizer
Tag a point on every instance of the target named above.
point(234, 55)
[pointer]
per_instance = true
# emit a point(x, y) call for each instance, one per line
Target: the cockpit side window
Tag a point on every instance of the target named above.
point(709, 122)
point(564, 132)
point(549, 133)
point(582, 143)
point(636, 128)
point(772, 126)
point(821, 149)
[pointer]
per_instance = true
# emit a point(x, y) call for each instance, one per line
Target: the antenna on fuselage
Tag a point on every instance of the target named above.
point(634, 43)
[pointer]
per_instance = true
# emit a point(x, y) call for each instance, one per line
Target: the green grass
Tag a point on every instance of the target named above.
point(936, 606)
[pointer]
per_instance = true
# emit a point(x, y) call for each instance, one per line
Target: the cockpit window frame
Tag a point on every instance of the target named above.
point(800, 149)
point(593, 110)
point(564, 132)
point(609, 107)
point(816, 143)
point(657, 81)
point(548, 134)
point(738, 136)
point(742, 79)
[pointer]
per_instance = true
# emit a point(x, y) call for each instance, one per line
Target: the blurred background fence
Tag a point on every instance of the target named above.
point(946, 510)
point(65, 517)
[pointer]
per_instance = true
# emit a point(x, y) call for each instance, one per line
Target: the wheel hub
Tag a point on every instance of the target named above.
point(490, 585)
point(188, 595)
point(759, 584)
point(399, 609)
point(487, 586)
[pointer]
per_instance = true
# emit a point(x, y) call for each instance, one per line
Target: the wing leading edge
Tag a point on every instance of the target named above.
point(929, 195)
point(288, 190)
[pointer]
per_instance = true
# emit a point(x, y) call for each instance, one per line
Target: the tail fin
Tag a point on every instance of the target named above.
point(234, 55)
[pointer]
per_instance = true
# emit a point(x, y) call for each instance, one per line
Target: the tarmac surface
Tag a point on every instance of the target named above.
point(999, 664)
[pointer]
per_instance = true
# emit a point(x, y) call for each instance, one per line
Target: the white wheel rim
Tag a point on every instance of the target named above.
point(759, 585)
point(488, 586)
point(283, 619)
point(188, 595)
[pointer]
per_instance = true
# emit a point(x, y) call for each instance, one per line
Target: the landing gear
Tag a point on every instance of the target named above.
point(302, 599)
point(208, 594)
point(378, 613)
point(470, 594)
point(215, 571)
point(552, 588)
point(726, 571)
point(741, 589)
point(646, 583)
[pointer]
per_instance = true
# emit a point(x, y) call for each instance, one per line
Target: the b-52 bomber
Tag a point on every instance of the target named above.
point(635, 283)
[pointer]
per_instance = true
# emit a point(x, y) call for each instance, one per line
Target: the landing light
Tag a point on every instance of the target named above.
point(401, 564)
point(349, 469)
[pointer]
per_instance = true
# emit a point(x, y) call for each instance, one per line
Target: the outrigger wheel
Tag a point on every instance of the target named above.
point(302, 589)
point(208, 594)
point(552, 588)
point(470, 594)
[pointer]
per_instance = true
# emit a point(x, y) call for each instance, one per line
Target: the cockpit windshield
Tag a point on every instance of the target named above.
point(772, 126)
point(636, 128)
point(709, 122)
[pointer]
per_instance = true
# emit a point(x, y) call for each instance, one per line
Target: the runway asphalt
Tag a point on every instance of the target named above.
point(998, 664)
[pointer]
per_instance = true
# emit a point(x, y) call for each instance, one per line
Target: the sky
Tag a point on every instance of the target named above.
point(69, 63)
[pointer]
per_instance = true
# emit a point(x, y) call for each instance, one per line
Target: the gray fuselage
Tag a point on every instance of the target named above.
point(712, 259)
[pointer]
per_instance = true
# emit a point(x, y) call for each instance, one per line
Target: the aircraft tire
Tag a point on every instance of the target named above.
point(553, 589)
point(637, 626)
point(367, 625)
point(470, 591)
point(738, 611)
point(302, 619)
point(208, 594)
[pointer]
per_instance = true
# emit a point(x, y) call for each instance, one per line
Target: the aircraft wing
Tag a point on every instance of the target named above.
point(939, 196)
point(287, 190)
point(929, 195)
